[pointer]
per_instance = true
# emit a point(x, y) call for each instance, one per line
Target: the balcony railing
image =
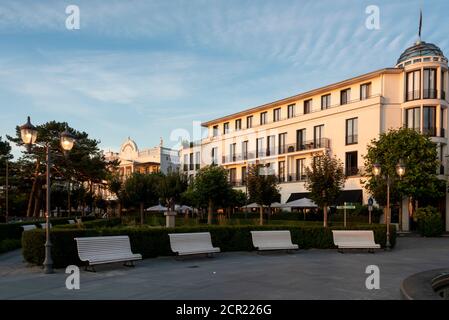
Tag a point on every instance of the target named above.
point(352, 139)
point(284, 149)
point(352, 171)
point(413, 95)
point(430, 94)
point(430, 131)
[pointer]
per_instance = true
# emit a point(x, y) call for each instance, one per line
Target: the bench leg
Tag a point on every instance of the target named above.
point(129, 264)
point(92, 268)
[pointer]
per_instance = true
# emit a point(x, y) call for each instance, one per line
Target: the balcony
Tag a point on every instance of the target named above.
point(288, 148)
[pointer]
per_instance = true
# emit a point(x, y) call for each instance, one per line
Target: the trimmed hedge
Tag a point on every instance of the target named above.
point(9, 244)
point(14, 230)
point(153, 242)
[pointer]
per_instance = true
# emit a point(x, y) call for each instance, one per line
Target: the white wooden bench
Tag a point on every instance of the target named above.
point(273, 240)
point(192, 243)
point(28, 227)
point(101, 250)
point(354, 239)
point(71, 221)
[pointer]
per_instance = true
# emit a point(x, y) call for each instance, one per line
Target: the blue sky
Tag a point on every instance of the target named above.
point(148, 69)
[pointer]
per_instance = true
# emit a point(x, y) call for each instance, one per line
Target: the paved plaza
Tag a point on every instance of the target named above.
point(307, 274)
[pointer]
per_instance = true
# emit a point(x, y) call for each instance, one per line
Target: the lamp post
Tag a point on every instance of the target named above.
point(400, 171)
point(28, 133)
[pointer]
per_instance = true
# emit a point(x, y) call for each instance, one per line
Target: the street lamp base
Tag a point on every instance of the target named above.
point(48, 262)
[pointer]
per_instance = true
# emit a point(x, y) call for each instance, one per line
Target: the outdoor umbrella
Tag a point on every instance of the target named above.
point(277, 205)
point(157, 208)
point(301, 203)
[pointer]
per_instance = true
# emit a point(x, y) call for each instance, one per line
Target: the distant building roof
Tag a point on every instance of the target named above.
point(420, 49)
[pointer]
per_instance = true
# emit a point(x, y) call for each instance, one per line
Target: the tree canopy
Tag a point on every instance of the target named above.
point(325, 180)
point(419, 155)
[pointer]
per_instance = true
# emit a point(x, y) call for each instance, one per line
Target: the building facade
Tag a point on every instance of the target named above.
point(341, 119)
point(157, 159)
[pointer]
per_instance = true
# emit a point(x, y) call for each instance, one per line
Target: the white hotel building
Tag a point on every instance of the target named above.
point(340, 118)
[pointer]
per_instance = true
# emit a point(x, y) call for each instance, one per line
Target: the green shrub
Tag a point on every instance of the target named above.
point(154, 241)
point(9, 244)
point(429, 222)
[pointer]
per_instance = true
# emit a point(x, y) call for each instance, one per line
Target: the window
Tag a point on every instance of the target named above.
point(300, 170)
point(276, 114)
point(233, 176)
point(244, 175)
point(226, 128)
point(191, 162)
point(263, 118)
point(345, 96)
point(318, 136)
point(238, 124)
point(232, 156)
point(215, 131)
point(307, 106)
point(214, 155)
point(281, 144)
point(351, 163)
point(351, 131)
point(186, 162)
point(281, 171)
point(365, 91)
point(249, 122)
point(413, 118)
point(430, 84)
point(442, 133)
point(259, 148)
point(290, 111)
point(443, 85)
point(429, 121)
point(197, 160)
point(300, 139)
point(413, 86)
point(271, 145)
point(245, 150)
point(325, 101)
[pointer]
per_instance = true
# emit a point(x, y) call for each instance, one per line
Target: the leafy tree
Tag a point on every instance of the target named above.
point(115, 186)
point(211, 186)
point(142, 189)
point(5, 155)
point(84, 164)
point(419, 155)
point(325, 180)
point(262, 188)
point(171, 187)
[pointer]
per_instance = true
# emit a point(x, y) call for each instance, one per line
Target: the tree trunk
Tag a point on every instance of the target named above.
point(37, 202)
point(261, 215)
point(141, 214)
point(69, 201)
point(120, 208)
point(325, 216)
point(209, 212)
point(33, 190)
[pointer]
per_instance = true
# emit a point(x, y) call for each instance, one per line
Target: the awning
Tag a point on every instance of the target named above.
point(353, 196)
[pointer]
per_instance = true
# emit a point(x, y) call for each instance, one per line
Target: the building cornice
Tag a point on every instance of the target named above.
point(304, 95)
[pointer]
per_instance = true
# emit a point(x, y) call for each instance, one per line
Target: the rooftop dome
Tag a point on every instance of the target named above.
point(420, 49)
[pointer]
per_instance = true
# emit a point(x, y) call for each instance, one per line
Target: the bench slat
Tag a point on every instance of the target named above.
point(192, 243)
point(273, 240)
point(98, 250)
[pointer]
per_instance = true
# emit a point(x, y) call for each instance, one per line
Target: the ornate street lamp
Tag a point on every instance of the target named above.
point(400, 171)
point(28, 133)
